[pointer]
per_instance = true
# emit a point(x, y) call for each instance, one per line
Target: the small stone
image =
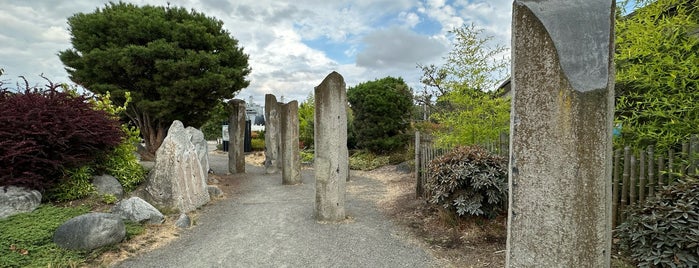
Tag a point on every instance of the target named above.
point(183, 221)
point(214, 191)
point(108, 184)
point(403, 168)
point(15, 200)
point(138, 210)
point(90, 231)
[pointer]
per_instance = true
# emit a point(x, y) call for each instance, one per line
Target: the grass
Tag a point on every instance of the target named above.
point(364, 160)
point(26, 240)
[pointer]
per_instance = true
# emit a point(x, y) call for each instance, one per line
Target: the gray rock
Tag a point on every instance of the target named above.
point(15, 200)
point(214, 191)
point(138, 210)
point(403, 168)
point(107, 184)
point(183, 221)
point(90, 231)
point(197, 138)
point(177, 182)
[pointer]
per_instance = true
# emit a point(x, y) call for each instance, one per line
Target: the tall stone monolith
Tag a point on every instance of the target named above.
point(291, 158)
point(272, 135)
point(561, 134)
point(236, 132)
point(331, 155)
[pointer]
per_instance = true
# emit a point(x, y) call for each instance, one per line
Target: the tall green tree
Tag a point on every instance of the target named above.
point(382, 112)
point(657, 78)
point(306, 121)
point(460, 93)
point(177, 64)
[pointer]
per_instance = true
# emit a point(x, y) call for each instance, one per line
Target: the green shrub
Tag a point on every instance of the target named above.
point(122, 162)
point(307, 156)
point(76, 184)
point(469, 181)
point(664, 231)
point(26, 240)
point(258, 144)
point(365, 160)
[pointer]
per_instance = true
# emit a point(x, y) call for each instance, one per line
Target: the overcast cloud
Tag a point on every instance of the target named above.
point(292, 45)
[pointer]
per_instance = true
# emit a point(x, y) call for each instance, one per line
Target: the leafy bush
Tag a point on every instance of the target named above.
point(365, 160)
point(664, 231)
point(307, 156)
point(74, 185)
point(258, 144)
point(122, 162)
point(45, 131)
point(469, 181)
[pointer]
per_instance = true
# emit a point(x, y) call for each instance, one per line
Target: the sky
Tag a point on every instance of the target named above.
point(292, 45)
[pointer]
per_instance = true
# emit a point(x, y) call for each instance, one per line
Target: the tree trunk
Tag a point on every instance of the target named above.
point(152, 131)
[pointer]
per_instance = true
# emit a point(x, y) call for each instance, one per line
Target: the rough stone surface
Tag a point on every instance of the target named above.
point(561, 155)
point(15, 200)
point(214, 191)
point(272, 135)
point(331, 159)
point(291, 155)
point(177, 181)
point(404, 168)
point(107, 184)
point(90, 231)
point(236, 130)
point(138, 210)
point(197, 138)
point(184, 221)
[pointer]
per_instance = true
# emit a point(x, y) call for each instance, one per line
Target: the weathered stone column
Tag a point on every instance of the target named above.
point(561, 134)
point(272, 135)
point(236, 131)
point(331, 155)
point(291, 158)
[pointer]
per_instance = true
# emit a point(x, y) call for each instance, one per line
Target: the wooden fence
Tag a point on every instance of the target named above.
point(636, 176)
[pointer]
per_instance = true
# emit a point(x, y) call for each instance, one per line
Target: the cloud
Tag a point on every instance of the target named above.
point(398, 47)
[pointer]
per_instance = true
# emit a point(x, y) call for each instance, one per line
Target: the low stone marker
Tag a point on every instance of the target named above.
point(331, 154)
point(90, 231)
point(291, 157)
point(236, 130)
point(272, 135)
point(108, 184)
point(561, 134)
point(15, 200)
point(138, 210)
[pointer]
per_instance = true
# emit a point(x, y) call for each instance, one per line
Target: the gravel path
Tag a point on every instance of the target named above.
point(263, 223)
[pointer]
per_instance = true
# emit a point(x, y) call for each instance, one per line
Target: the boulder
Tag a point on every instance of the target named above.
point(107, 184)
point(183, 221)
point(177, 182)
point(202, 147)
point(138, 210)
point(90, 231)
point(214, 191)
point(15, 200)
point(404, 168)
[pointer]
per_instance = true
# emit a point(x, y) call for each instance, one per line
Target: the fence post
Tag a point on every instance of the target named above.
point(651, 173)
point(693, 154)
point(418, 166)
point(642, 177)
point(625, 181)
point(670, 166)
point(684, 161)
point(615, 187)
point(661, 168)
point(632, 181)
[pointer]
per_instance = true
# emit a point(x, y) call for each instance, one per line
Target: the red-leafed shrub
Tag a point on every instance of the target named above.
point(43, 131)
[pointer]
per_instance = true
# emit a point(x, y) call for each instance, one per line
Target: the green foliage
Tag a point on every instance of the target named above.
point(109, 199)
point(76, 184)
point(306, 121)
point(307, 156)
point(212, 127)
point(26, 240)
point(133, 229)
point(382, 112)
point(456, 93)
point(177, 63)
point(366, 160)
point(657, 98)
point(664, 231)
point(469, 181)
point(122, 163)
point(258, 144)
